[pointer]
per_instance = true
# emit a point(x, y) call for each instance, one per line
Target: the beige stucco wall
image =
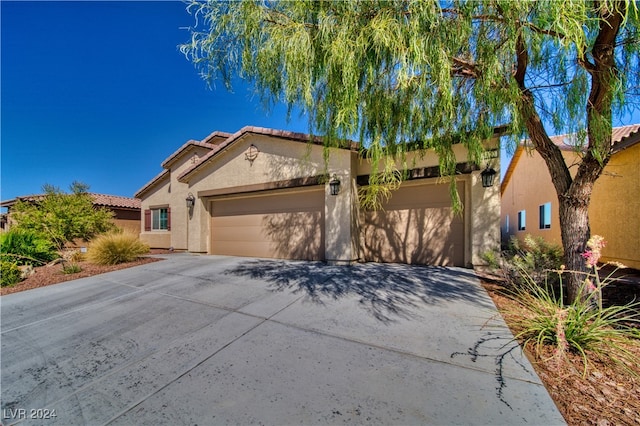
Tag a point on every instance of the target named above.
point(483, 217)
point(615, 208)
point(415, 160)
point(341, 231)
point(613, 211)
point(277, 160)
point(530, 187)
point(157, 196)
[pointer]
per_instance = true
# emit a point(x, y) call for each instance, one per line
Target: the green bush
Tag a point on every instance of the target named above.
point(535, 260)
point(25, 247)
point(9, 273)
point(111, 249)
point(63, 217)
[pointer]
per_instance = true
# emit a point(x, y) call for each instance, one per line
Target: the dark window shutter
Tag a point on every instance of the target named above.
point(147, 220)
point(168, 218)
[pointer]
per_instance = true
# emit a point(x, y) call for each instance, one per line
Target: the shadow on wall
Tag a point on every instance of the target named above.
point(387, 291)
point(296, 235)
point(417, 236)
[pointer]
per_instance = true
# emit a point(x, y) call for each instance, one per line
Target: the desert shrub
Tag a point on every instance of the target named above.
point(63, 217)
point(534, 260)
point(114, 248)
point(72, 268)
point(26, 247)
point(9, 273)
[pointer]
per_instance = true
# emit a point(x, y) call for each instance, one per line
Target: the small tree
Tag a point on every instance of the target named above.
point(63, 217)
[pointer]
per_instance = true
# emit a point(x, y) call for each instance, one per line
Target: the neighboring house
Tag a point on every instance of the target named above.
point(126, 210)
point(530, 206)
point(268, 193)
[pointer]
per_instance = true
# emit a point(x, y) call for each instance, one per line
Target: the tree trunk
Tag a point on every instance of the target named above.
point(575, 231)
point(574, 194)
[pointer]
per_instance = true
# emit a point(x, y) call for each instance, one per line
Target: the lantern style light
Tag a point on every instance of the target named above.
point(191, 201)
point(334, 185)
point(487, 176)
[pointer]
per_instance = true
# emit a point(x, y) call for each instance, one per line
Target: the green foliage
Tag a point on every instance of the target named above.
point(115, 248)
point(422, 75)
point(63, 217)
point(579, 328)
point(535, 259)
point(9, 273)
point(72, 268)
point(535, 255)
point(26, 247)
point(493, 259)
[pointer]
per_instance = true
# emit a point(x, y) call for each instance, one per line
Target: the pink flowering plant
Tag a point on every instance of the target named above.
point(544, 319)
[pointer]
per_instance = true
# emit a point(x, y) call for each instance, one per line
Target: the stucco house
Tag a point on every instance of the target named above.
point(126, 210)
point(529, 200)
point(269, 193)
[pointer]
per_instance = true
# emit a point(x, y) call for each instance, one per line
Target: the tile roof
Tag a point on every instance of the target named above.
point(621, 138)
point(98, 199)
point(216, 137)
point(189, 144)
point(149, 184)
point(567, 142)
point(116, 201)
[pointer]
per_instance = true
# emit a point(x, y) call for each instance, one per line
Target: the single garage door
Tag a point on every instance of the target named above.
point(417, 226)
point(274, 224)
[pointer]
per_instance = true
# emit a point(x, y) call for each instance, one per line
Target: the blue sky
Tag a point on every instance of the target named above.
point(98, 92)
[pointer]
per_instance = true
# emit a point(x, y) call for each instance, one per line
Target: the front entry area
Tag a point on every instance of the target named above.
point(285, 224)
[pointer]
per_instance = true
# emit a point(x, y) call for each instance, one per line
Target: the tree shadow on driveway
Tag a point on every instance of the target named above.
point(385, 290)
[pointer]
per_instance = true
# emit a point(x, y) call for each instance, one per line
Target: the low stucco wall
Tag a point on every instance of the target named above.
point(157, 239)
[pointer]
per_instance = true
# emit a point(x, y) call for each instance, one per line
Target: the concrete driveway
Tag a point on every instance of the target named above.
point(222, 340)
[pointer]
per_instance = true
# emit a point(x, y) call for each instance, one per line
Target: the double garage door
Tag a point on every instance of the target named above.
point(276, 224)
point(416, 226)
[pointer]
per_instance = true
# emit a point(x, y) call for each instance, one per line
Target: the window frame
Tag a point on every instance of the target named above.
point(158, 222)
point(545, 215)
point(522, 220)
point(153, 220)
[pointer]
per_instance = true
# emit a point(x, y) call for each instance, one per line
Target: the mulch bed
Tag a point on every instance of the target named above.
point(606, 395)
point(48, 275)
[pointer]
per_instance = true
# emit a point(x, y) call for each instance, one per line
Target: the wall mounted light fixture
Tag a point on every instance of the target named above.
point(334, 185)
point(487, 175)
point(191, 201)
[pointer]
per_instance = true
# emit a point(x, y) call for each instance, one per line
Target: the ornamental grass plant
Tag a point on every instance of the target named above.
point(115, 248)
point(583, 326)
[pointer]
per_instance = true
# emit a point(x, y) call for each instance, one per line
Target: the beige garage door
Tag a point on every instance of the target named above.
point(284, 225)
point(417, 225)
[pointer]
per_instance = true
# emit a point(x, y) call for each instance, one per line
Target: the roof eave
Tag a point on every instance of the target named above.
point(151, 183)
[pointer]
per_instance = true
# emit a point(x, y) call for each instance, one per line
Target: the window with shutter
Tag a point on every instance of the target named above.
point(147, 220)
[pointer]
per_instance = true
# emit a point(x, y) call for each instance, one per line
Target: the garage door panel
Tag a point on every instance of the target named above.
point(289, 226)
point(416, 226)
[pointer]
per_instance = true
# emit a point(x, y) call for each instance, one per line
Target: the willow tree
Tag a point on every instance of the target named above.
point(406, 75)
